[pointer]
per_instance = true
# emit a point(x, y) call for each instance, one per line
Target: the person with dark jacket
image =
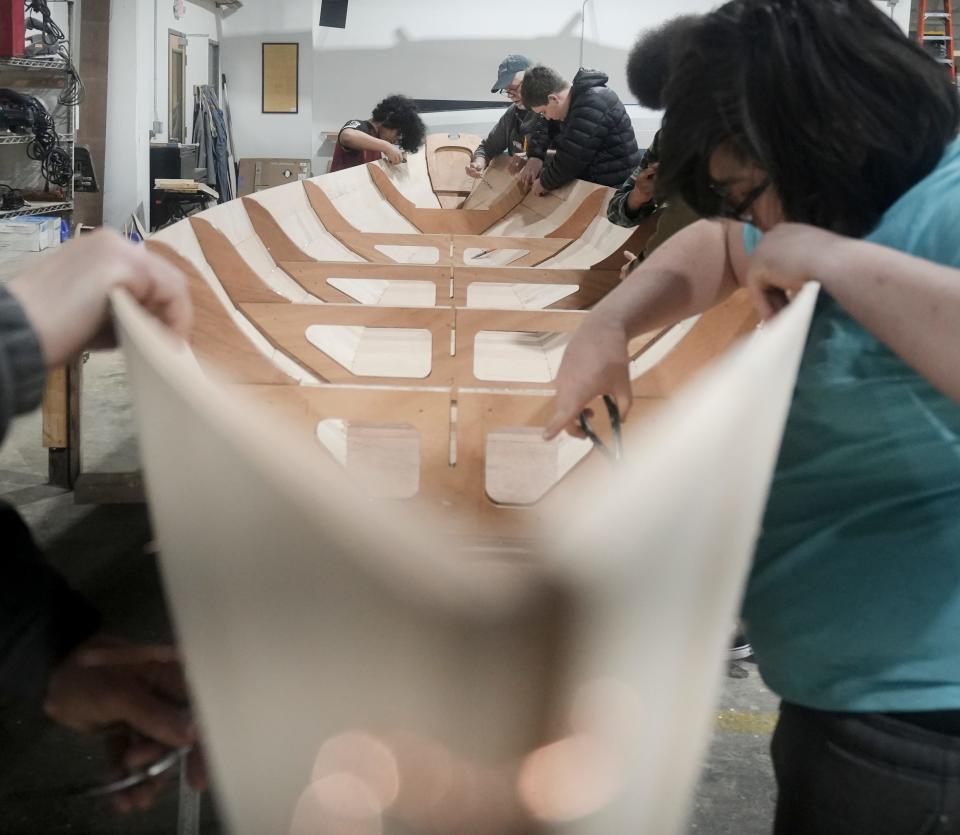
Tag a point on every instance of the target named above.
point(523, 135)
point(51, 652)
point(596, 143)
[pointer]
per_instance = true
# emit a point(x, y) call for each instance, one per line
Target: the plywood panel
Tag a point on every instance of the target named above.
point(365, 244)
point(221, 348)
point(240, 282)
point(448, 221)
point(447, 160)
point(313, 277)
point(286, 325)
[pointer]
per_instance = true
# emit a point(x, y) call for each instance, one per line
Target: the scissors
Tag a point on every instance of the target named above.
point(154, 769)
point(615, 454)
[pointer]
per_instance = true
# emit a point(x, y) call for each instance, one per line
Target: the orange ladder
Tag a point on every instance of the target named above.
point(935, 32)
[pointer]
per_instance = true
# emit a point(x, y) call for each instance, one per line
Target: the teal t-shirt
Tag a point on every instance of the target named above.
point(853, 603)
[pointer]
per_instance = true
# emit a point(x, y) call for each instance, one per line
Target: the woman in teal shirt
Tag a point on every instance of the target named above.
point(823, 142)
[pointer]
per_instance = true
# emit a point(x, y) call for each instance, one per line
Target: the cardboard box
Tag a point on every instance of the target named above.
point(31, 233)
point(258, 174)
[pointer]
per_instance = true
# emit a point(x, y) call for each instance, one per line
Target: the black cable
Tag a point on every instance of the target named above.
point(74, 90)
point(52, 34)
point(56, 164)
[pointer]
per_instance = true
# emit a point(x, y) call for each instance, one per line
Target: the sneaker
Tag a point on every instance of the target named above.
point(739, 648)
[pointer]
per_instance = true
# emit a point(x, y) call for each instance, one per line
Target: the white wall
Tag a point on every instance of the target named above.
point(259, 134)
point(423, 48)
point(900, 12)
point(129, 92)
point(138, 35)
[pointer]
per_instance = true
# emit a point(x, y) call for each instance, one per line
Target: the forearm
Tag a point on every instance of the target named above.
point(910, 304)
point(559, 171)
point(495, 143)
point(357, 140)
point(625, 208)
point(689, 274)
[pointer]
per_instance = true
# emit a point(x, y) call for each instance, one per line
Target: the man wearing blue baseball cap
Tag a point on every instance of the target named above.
point(523, 135)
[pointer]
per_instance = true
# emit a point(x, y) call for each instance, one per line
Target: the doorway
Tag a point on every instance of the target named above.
point(177, 86)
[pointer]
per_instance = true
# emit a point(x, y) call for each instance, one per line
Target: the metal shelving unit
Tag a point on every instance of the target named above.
point(49, 64)
point(37, 208)
point(17, 139)
point(45, 78)
point(37, 70)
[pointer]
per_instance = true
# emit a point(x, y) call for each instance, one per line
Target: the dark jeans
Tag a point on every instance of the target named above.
point(863, 774)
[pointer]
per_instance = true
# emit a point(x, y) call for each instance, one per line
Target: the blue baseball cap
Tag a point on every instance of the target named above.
point(509, 67)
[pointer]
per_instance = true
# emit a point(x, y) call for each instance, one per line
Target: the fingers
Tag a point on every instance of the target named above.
point(126, 654)
point(197, 769)
point(767, 298)
point(152, 715)
point(623, 396)
point(566, 416)
point(473, 172)
point(629, 265)
point(561, 421)
point(128, 756)
point(159, 287)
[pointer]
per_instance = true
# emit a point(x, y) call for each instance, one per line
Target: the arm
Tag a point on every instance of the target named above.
point(910, 304)
point(22, 368)
point(494, 145)
point(496, 141)
point(634, 200)
point(357, 140)
point(539, 136)
point(693, 271)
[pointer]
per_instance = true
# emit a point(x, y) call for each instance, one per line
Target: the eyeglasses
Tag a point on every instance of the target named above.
point(507, 91)
point(741, 211)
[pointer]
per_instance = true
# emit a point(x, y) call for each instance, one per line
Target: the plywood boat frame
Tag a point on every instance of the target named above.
point(459, 412)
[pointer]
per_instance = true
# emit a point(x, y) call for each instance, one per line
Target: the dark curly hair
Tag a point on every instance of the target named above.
point(649, 61)
point(400, 113)
point(829, 97)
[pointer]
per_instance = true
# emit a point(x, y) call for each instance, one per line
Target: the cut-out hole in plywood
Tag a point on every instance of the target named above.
point(403, 254)
point(382, 458)
point(521, 467)
point(387, 293)
point(474, 256)
point(512, 357)
point(376, 352)
point(514, 296)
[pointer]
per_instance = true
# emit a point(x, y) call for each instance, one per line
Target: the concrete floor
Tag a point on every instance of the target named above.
point(102, 551)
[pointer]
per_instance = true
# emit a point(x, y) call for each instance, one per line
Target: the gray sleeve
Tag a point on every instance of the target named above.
point(496, 143)
point(22, 367)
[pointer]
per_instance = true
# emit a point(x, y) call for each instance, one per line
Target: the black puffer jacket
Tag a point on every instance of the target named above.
point(597, 143)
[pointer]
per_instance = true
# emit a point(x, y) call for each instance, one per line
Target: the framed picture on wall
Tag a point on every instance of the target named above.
point(281, 92)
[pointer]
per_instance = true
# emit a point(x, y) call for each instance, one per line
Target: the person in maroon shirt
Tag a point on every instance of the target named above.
point(394, 127)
